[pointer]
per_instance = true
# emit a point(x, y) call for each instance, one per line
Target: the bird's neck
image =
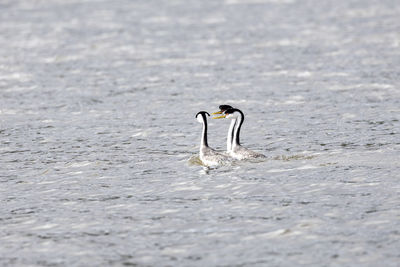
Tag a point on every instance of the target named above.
point(236, 138)
point(204, 141)
point(231, 133)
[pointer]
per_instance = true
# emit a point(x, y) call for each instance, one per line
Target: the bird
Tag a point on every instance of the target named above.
point(237, 151)
point(209, 156)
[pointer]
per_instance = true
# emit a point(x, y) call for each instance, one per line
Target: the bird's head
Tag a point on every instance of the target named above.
point(201, 116)
point(222, 109)
point(231, 113)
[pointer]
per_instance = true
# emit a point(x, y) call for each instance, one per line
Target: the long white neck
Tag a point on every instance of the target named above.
point(236, 138)
point(231, 133)
point(204, 142)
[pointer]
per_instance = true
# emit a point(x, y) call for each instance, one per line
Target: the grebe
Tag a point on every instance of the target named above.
point(209, 156)
point(237, 151)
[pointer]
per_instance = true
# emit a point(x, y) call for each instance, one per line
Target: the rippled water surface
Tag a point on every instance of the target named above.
point(98, 135)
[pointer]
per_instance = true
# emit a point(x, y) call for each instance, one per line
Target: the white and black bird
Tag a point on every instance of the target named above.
point(235, 150)
point(209, 156)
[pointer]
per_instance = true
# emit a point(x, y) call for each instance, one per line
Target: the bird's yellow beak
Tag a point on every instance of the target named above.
point(215, 113)
point(220, 117)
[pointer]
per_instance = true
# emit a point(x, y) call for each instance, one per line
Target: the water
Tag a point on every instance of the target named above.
point(97, 132)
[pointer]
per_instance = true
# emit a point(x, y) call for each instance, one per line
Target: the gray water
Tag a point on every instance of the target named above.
point(99, 141)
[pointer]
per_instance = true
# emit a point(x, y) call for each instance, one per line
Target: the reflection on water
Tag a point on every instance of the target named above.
point(99, 144)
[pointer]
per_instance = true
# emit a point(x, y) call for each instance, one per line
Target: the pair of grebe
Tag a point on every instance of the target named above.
point(234, 150)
